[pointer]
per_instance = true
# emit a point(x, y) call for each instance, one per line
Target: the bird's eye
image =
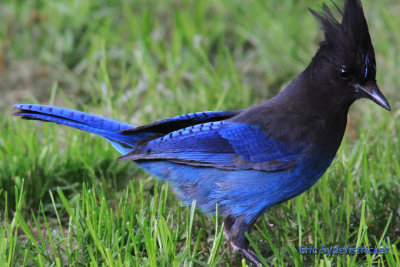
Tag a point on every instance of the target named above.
point(343, 73)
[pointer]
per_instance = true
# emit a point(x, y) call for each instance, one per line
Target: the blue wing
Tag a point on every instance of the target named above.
point(222, 144)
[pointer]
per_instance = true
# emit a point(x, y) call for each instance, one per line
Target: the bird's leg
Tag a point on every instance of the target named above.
point(235, 229)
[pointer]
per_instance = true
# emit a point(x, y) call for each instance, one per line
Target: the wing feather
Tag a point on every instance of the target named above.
point(221, 144)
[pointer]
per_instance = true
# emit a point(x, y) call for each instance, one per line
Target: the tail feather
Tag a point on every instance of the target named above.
point(73, 115)
point(105, 127)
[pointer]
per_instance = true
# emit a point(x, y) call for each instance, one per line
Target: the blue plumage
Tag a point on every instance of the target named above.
point(251, 159)
point(210, 153)
point(222, 144)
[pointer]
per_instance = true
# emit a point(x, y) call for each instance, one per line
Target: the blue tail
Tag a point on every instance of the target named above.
point(107, 128)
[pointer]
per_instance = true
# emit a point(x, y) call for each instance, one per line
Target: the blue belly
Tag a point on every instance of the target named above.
point(248, 192)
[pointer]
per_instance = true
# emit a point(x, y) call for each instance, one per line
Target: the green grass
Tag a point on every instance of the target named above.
point(66, 201)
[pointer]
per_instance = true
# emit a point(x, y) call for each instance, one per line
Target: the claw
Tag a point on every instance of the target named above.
point(251, 256)
point(235, 229)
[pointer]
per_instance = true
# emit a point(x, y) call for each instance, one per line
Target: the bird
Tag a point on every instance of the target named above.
point(250, 159)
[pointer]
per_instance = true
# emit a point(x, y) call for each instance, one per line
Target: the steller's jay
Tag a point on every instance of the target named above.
point(251, 159)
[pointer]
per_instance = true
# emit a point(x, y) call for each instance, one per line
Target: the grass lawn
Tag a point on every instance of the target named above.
point(65, 201)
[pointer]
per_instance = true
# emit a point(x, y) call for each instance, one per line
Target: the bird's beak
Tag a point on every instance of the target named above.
point(371, 91)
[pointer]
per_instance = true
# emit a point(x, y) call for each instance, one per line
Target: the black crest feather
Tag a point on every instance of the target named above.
point(351, 32)
point(348, 40)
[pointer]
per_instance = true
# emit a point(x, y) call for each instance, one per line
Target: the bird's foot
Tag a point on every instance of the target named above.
point(249, 254)
point(235, 231)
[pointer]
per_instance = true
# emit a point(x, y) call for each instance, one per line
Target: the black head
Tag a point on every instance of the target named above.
point(345, 63)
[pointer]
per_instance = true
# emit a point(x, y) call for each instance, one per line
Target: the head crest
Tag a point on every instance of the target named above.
point(351, 36)
point(354, 24)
